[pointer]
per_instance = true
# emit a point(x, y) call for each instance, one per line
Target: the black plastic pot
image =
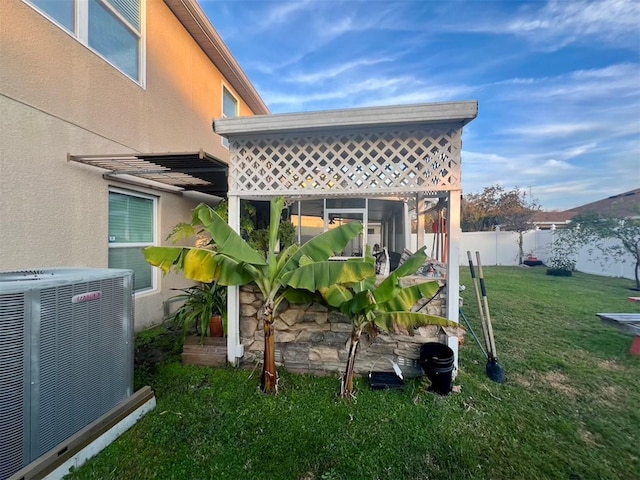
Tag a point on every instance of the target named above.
point(436, 360)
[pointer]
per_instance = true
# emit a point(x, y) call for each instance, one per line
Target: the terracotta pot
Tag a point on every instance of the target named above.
point(215, 326)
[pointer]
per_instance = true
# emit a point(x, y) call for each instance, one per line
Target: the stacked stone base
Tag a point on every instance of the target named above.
point(312, 339)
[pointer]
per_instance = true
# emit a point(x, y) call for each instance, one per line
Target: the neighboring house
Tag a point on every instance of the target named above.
point(115, 84)
point(552, 220)
point(623, 205)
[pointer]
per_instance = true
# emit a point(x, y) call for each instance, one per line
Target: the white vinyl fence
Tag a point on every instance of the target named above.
point(501, 248)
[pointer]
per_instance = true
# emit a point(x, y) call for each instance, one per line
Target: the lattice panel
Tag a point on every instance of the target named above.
point(378, 162)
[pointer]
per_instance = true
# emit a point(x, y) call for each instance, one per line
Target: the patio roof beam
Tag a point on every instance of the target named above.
point(458, 113)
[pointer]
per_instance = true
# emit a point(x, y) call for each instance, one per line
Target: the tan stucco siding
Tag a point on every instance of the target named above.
point(48, 69)
point(58, 97)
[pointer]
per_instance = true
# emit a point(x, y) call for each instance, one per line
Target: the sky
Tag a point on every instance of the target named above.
point(557, 82)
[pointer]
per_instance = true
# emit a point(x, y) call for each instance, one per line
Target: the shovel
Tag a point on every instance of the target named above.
point(495, 371)
point(476, 289)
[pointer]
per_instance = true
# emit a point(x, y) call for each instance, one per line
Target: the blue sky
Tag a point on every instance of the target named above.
point(558, 82)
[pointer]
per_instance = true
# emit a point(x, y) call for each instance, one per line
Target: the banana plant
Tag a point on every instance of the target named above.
point(385, 307)
point(296, 273)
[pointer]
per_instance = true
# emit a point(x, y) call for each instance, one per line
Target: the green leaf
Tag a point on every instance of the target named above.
point(362, 303)
point(277, 204)
point(164, 258)
point(294, 295)
point(326, 245)
point(181, 231)
point(314, 276)
point(336, 295)
point(405, 298)
point(411, 264)
point(390, 286)
point(227, 240)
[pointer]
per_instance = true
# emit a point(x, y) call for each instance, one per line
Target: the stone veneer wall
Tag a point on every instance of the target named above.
point(312, 339)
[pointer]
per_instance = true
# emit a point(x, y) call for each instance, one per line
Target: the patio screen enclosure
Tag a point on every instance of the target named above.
point(370, 165)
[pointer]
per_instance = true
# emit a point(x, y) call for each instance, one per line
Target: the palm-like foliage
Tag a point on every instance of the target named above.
point(385, 307)
point(295, 273)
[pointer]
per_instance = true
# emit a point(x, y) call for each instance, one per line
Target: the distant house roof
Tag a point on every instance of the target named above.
point(543, 219)
point(625, 205)
point(622, 205)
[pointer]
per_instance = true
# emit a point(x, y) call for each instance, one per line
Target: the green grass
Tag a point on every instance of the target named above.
point(570, 408)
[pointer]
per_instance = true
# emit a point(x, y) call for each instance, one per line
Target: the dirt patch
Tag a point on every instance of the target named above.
point(559, 382)
point(610, 366)
point(609, 396)
point(521, 380)
point(586, 436)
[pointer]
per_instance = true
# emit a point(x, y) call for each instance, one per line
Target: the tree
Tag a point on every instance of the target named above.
point(480, 210)
point(295, 273)
point(591, 228)
point(510, 210)
point(385, 307)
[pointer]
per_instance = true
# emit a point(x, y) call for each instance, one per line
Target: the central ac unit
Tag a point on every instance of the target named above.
point(66, 356)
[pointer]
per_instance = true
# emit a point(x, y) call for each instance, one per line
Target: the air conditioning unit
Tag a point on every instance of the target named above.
point(66, 356)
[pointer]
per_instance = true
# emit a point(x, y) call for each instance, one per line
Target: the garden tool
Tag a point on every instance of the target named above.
point(476, 289)
point(473, 334)
point(494, 370)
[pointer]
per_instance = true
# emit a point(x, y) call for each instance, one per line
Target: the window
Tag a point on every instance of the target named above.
point(229, 109)
point(132, 227)
point(111, 28)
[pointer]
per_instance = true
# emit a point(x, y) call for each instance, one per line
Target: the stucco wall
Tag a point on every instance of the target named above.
point(58, 97)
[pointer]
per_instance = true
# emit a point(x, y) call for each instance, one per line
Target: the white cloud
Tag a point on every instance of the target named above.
point(279, 13)
point(553, 129)
point(620, 80)
point(560, 22)
point(333, 71)
point(549, 168)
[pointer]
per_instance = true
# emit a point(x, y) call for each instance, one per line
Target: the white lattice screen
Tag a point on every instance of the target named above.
point(379, 162)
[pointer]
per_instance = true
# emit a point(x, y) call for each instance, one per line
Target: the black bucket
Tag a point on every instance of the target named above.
point(436, 360)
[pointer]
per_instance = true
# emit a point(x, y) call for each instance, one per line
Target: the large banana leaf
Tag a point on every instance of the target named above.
point(164, 258)
point(325, 245)
point(315, 275)
point(389, 287)
point(409, 320)
point(277, 204)
point(199, 264)
point(336, 295)
point(405, 298)
point(226, 239)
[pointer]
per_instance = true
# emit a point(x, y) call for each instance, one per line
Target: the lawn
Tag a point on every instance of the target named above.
point(570, 407)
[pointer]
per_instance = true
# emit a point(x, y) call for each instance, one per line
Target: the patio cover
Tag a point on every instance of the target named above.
point(406, 151)
point(198, 171)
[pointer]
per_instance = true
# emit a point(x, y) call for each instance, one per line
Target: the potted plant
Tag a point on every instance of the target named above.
point(205, 306)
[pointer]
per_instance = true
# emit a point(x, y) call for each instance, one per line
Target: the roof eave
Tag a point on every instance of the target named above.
point(196, 22)
point(459, 113)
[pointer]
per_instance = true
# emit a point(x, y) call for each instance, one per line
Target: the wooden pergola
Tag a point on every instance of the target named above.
point(408, 153)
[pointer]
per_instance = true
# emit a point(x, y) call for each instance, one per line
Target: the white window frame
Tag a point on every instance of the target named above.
point(225, 141)
point(364, 211)
point(81, 33)
point(154, 199)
